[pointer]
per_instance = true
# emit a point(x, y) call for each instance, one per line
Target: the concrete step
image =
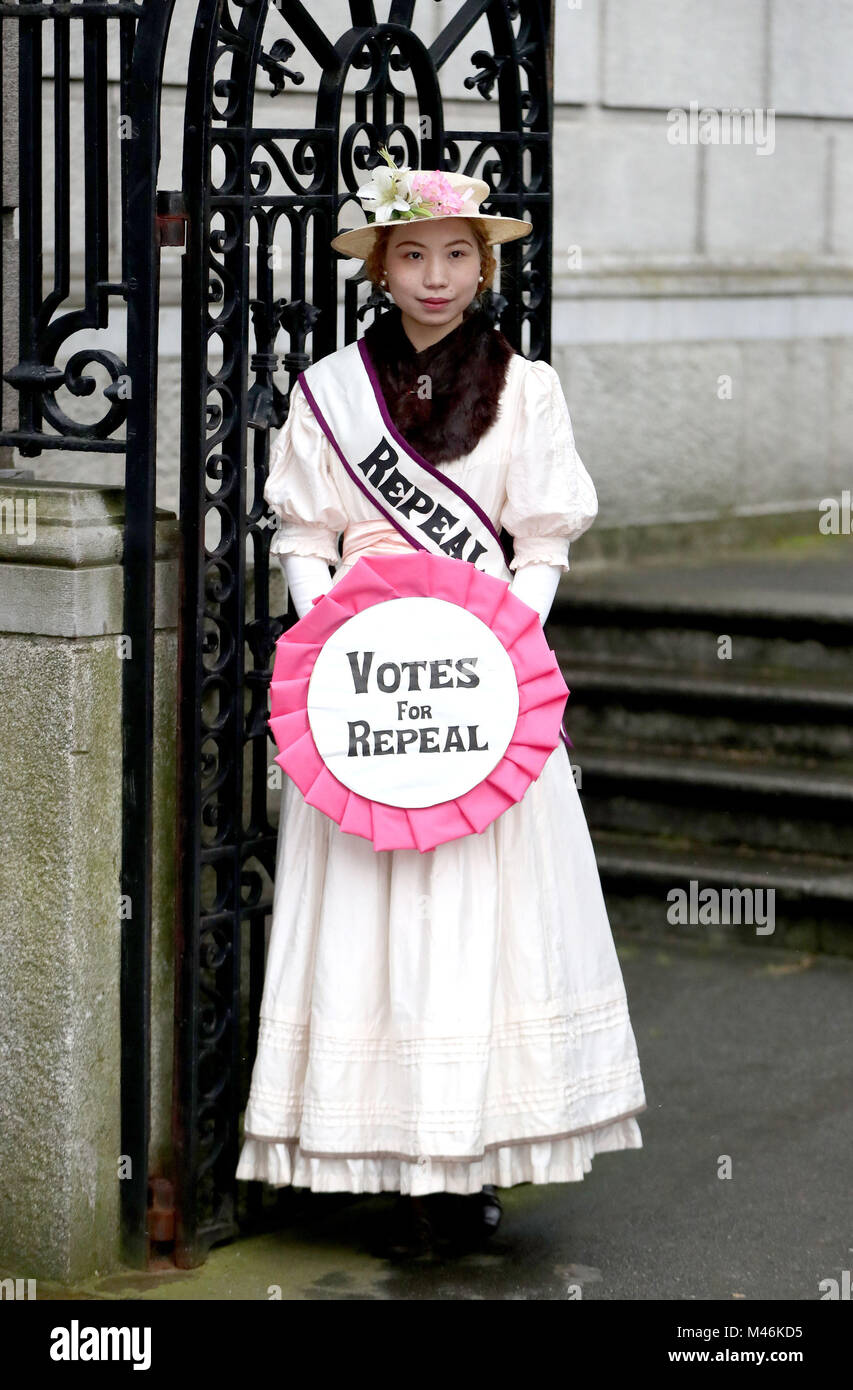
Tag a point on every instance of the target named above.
point(783, 806)
point(641, 707)
point(680, 641)
point(811, 908)
point(782, 613)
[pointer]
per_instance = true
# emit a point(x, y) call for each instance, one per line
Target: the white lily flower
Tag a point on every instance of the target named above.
point(387, 193)
point(385, 211)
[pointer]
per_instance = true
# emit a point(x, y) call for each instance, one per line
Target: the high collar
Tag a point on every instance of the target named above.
point(441, 411)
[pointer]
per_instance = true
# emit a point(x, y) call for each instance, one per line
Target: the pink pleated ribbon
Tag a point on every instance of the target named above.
point(402, 572)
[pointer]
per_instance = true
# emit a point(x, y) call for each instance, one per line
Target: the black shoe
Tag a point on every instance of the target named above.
point(491, 1209)
point(464, 1222)
point(411, 1228)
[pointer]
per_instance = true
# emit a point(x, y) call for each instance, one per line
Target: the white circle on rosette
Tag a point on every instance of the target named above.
point(431, 768)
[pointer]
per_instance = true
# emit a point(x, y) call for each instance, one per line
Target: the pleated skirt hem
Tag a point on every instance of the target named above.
point(282, 1163)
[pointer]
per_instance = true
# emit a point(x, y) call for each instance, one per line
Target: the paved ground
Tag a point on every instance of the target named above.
point(746, 1052)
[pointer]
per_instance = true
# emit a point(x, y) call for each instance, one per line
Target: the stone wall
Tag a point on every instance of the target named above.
point(61, 655)
point(705, 291)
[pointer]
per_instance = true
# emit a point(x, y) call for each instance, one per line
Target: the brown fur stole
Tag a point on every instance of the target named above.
point(444, 416)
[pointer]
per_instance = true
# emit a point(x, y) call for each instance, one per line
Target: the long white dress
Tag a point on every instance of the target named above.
point(434, 1022)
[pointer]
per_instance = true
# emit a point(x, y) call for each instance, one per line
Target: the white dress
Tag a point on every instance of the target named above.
point(434, 1022)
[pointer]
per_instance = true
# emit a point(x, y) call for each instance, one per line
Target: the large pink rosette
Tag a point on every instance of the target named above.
point(541, 689)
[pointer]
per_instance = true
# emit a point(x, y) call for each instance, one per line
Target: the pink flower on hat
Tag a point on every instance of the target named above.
point(399, 194)
point(435, 189)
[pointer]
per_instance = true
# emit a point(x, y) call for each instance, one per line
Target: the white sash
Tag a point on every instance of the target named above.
point(429, 510)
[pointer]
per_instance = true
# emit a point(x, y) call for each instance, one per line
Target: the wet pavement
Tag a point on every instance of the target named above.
point(741, 1191)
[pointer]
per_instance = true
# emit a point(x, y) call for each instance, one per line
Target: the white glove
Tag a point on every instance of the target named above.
point(306, 576)
point(536, 584)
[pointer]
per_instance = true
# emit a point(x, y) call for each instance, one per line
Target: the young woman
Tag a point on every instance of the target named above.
point(455, 1021)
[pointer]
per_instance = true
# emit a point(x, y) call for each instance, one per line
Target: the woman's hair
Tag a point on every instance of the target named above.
point(374, 262)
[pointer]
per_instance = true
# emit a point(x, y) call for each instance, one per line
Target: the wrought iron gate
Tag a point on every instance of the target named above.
point(45, 41)
point(263, 165)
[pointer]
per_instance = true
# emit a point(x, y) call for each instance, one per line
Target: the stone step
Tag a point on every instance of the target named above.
point(637, 708)
point(784, 806)
point(684, 639)
point(811, 908)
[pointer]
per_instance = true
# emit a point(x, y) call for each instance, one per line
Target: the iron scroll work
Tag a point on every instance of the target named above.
point(263, 202)
point(65, 63)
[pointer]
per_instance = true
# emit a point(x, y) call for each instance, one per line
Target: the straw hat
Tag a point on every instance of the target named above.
point(394, 195)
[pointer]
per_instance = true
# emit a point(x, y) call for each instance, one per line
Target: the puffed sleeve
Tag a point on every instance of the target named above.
point(550, 497)
point(301, 489)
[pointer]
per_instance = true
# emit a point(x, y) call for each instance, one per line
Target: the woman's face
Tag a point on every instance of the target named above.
point(433, 269)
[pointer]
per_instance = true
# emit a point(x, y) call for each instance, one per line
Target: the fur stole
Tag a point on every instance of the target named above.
point(466, 371)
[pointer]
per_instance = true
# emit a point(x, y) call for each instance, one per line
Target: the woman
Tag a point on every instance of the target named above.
point(455, 1021)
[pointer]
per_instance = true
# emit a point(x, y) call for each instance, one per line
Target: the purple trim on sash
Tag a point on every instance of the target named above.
point(413, 453)
point(359, 482)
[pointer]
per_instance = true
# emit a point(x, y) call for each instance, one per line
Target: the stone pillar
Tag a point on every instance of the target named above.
point(9, 244)
point(61, 581)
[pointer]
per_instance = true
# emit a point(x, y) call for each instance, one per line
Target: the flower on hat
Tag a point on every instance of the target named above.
point(398, 194)
point(438, 192)
point(388, 193)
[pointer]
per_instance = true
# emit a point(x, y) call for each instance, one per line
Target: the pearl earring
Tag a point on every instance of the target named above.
point(481, 278)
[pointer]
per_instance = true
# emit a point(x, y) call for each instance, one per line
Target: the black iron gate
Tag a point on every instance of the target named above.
point(50, 48)
point(263, 166)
